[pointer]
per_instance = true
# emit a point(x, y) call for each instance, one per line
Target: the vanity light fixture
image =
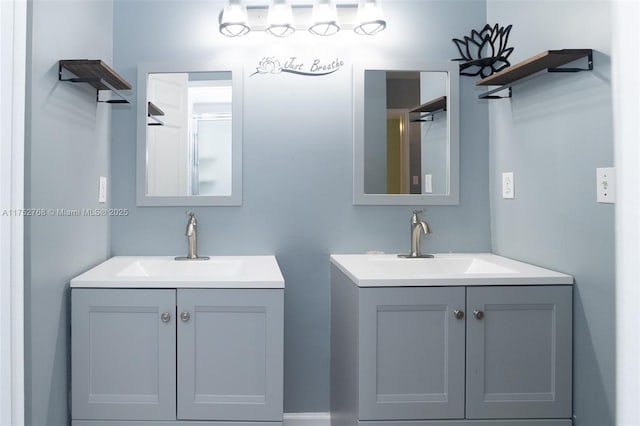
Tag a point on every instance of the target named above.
point(233, 20)
point(322, 17)
point(280, 19)
point(370, 19)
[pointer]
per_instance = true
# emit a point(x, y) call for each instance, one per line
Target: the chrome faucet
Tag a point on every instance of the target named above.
point(192, 240)
point(418, 227)
point(192, 237)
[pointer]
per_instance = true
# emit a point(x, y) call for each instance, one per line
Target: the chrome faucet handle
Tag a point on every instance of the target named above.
point(192, 218)
point(192, 223)
point(414, 216)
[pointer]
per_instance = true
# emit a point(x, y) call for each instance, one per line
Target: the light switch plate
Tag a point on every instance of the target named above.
point(606, 185)
point(508, 187)
point(428, 184)
point(102, 189)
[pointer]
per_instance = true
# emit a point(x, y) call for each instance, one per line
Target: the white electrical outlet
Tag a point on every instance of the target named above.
point(102, 190)
point(508, 186)
point(428, 185)
point(606, 185)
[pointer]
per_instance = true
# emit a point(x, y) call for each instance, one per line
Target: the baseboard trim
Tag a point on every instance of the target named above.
point(307, 419)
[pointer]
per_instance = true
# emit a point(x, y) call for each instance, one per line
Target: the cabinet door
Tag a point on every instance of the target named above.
point(411, 353)
point(123, 354)
point(519, 352)
point(230, 354)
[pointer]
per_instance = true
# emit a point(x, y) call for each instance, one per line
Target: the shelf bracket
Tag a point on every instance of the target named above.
point(489, 94)
point(423, 117)
point(155, 122)
point(567, 69)
point(122, 100)
point(94, 80)
point(153, 112)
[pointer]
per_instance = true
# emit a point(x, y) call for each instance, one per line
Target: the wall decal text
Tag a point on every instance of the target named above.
point(294, 65)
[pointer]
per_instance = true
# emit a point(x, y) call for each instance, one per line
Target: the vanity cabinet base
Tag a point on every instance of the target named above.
point(170, 423)
point(450, 355)
point(197, 357)
point(538, 422)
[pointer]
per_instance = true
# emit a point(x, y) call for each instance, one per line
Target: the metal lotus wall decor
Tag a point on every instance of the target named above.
point(484, 52)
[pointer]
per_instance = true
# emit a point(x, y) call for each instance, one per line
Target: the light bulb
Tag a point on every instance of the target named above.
point(234, 22)
point(370, 19)
point(325, 19)
point(280, 20)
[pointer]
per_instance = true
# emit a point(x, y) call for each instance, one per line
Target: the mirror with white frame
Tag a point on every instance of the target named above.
point(406, 134)
point(189, 148)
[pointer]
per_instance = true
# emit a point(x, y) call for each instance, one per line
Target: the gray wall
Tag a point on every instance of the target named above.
point(297, 195)
point(553, 134)
point(67, 148)
point(297, 172)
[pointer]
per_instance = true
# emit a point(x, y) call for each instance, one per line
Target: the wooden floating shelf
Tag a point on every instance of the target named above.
point(96, 73)
point(548, 60)
point(428, 109)
point(433, 105)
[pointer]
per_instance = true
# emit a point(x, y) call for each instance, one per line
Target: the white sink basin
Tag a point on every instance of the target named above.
point(166, 272)
point(163, 268)
point(437, 266)
point(444, 269)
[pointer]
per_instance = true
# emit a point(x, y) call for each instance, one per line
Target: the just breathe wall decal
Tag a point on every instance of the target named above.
point(293, 65)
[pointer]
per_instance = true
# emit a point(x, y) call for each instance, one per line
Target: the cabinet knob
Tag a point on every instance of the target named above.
point(165, 317)
point(185, 316)
point(478, 314)
point(458, 314)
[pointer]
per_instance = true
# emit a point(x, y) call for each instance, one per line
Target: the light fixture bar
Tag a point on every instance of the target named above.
point(317, 18)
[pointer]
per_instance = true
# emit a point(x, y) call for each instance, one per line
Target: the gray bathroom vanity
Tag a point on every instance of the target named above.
point(161, 342)
point(458, 340)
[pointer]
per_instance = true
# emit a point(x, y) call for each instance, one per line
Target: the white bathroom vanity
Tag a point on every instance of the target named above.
point(457, 340)
point(157, 341)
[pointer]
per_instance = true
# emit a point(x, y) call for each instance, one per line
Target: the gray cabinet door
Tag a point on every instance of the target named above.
point(519, 352)
point(411, 353)
point(123, 354)
point(230, 354)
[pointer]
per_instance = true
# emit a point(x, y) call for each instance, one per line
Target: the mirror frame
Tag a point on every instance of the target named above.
point(452, 196)
point(235, 199)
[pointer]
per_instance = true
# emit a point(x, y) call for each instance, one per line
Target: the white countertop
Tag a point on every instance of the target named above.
point(166, 272)
point(450, 269)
